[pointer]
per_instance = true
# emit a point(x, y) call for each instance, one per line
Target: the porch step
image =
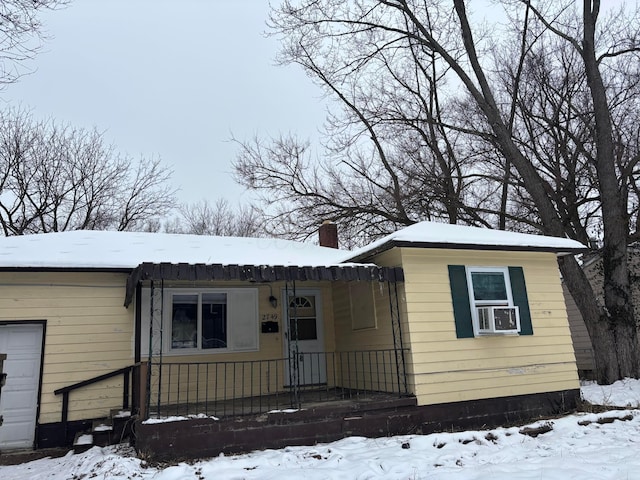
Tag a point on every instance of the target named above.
point(122, 424)
point(102, 432)
point(82, 442)
point(107, 431)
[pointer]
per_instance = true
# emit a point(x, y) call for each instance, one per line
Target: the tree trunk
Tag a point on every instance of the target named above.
point(619, 329)
point(612, 328)
point(616, 349)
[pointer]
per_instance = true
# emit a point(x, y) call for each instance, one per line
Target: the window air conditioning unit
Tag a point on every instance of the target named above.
point(498, 320)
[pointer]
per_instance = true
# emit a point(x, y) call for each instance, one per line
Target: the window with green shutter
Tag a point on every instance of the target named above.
point(489, 301)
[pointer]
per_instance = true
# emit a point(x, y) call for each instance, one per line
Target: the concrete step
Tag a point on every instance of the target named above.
point(107, 431)
point(82, 442)
point(122, 425)
point(102, 432)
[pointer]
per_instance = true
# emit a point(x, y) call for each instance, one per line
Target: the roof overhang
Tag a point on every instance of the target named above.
point(257, 273)
point(463, 246)
point(67, 269)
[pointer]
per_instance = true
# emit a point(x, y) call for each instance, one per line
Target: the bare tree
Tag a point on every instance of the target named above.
point(220, 219)
point(21, 34)
point(54, 177)
point(389, 156)
point(506, 140)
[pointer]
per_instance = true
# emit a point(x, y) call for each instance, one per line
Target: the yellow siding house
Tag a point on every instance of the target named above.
point(433, 326)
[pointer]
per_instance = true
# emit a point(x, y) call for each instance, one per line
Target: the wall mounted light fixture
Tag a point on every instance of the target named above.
point(272, 300)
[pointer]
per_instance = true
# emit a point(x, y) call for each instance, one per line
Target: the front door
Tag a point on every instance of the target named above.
point(304, 338)
point(19, 396)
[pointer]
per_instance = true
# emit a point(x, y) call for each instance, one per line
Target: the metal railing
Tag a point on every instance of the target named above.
point(128, 399)
point(223, 389)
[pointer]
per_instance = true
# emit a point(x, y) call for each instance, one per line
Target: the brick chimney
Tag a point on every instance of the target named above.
point(328, 233)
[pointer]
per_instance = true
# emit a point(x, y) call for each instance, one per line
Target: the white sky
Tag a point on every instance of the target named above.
point(174, 78)
point(170, 78)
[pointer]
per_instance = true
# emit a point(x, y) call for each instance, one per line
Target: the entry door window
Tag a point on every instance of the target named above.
point(303, 318)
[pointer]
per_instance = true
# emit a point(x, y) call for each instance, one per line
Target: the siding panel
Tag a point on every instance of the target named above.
point(448, 369)
point(580, 335)
point(88, 333)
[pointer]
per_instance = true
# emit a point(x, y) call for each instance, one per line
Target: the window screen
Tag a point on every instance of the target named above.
point(489, 286)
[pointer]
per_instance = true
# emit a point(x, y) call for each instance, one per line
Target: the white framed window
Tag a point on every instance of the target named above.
point(491, 300)
point(203, 321)
point(199, 320)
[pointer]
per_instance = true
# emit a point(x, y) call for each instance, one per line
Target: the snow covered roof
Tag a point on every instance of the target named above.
point(94, 249)
point(126, 250)
point(444, 235)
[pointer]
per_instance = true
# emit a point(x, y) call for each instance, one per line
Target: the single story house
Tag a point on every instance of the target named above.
point(257, 342)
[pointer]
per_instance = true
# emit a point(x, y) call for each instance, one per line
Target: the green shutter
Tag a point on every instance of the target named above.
point(519, 293)
point(460, 298)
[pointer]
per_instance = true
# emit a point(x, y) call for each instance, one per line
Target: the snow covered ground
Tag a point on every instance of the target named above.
point(582, 446)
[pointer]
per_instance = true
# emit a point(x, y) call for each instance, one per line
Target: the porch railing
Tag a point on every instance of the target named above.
point(130, 390)
point(257, 386)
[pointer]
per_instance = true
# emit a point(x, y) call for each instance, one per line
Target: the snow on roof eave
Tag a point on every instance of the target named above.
point(367, 253)
point(65, 269)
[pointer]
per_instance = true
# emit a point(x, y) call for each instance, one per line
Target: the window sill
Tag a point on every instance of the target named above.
point(177, 352)
point(497, 334)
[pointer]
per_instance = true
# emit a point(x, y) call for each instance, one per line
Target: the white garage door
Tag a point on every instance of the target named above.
point(19, 397)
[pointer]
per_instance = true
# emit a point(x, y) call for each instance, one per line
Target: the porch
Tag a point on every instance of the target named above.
point(267, 362)
point(302, 381)
point(201, 437)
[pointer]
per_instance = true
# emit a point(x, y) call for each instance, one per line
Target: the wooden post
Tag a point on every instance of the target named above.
point(141, 382)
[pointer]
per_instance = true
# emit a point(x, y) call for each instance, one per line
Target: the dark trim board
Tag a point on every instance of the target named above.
point(206, 437)
point(50, 435)
point(257, 274)
point(367, 255)
point(492, 412)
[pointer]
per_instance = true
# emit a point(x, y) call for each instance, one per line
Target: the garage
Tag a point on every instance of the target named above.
point(22, 344)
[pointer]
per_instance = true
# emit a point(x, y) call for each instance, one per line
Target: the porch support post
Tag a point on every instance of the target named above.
point(147, 403)
point(398, 344)
point(125, 390)
point(154, 371)
point(137, 401)
point(292, 346)
point(65, 414)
